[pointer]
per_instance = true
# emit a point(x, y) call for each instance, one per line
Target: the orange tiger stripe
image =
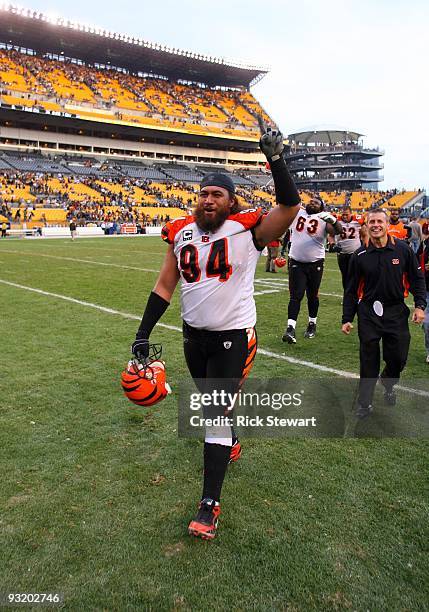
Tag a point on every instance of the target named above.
point(252, 345)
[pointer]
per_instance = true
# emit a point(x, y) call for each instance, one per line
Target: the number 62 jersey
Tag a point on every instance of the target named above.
point(216, 270)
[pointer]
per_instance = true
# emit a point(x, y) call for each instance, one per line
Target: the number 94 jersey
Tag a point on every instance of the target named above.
point(216, 270)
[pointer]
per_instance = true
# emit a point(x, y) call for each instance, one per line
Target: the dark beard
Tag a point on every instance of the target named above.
point(210, 225)
point(312, 210)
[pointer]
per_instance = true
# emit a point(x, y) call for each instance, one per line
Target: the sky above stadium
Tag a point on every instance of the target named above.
point(354, 64)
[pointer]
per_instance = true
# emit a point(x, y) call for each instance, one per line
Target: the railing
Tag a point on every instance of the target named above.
point(308, 164)
point(332, 149)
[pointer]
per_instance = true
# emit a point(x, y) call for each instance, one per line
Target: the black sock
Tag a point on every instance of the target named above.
point(216, 457)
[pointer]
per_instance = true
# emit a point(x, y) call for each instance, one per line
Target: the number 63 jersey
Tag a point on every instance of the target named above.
point(216, 270)
point(308, 234)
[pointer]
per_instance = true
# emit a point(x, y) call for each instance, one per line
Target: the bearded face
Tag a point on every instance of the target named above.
point(213, 208)
point(314, 206)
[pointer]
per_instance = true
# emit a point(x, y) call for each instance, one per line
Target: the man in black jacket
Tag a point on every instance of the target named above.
point(380, 275)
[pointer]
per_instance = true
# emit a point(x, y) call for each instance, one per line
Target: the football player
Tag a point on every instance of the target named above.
point(213, 254)
point(273, 251)
point(306, 259)
point(395, 227)
point(353, 233)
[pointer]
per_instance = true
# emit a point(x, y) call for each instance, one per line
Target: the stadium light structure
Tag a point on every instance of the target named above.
point(94, 30)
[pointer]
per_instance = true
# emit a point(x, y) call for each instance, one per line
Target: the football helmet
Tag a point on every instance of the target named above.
point(144, 381)
point(280, 262)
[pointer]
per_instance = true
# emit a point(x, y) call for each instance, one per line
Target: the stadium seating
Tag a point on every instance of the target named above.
point(361, 200)
point(15, 75)
point(4, 165)
point(265, 197)
point(68, 86)
point(182, 173)
point(333, 198)
point(32, 81)
point(75, 190)
point(400, 199)
point(12, 193)
point(35, 164)
point(143, 172)
point(47, 189)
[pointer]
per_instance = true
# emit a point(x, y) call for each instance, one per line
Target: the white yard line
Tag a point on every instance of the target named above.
point(266, 291)
point(261, 351)
point(275, 282)
point(88, 261)
point(282, 285)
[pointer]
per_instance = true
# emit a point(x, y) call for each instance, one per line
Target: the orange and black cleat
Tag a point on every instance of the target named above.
point(235, 452)
point(204, 524)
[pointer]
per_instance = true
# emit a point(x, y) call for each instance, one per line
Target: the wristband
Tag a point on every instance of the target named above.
point(286, 191)
point(155, 308)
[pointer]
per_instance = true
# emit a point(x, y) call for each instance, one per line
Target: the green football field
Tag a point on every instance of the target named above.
point(96, 495)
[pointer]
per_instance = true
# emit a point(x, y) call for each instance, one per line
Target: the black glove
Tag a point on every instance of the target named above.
point(271, 141)
point(140, 348)
point(271, 144)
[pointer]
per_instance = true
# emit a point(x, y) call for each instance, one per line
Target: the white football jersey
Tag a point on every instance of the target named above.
point(217, 270)
point(349, 239)
point(307, 237)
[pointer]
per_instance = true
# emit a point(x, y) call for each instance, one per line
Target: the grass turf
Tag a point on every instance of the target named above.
point(95, 497)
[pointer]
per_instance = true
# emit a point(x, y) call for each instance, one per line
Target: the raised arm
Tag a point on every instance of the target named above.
point(281, 216)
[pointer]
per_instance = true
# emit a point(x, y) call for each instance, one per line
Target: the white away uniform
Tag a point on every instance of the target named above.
point(308, 237)
point(216, 270)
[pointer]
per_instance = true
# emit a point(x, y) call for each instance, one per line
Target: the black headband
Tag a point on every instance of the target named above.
point(217, 179)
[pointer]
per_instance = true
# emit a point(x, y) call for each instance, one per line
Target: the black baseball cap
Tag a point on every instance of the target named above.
point(218, 179)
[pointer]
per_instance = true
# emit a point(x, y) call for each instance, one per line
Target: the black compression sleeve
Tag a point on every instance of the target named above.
point(286, 191)
point(155, 308)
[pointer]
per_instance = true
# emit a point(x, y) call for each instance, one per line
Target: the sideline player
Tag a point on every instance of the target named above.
point(306, 259)
point(214, 254)
point(273, 251)
point(395, 227)
point(73, 229)
point(353, 232)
